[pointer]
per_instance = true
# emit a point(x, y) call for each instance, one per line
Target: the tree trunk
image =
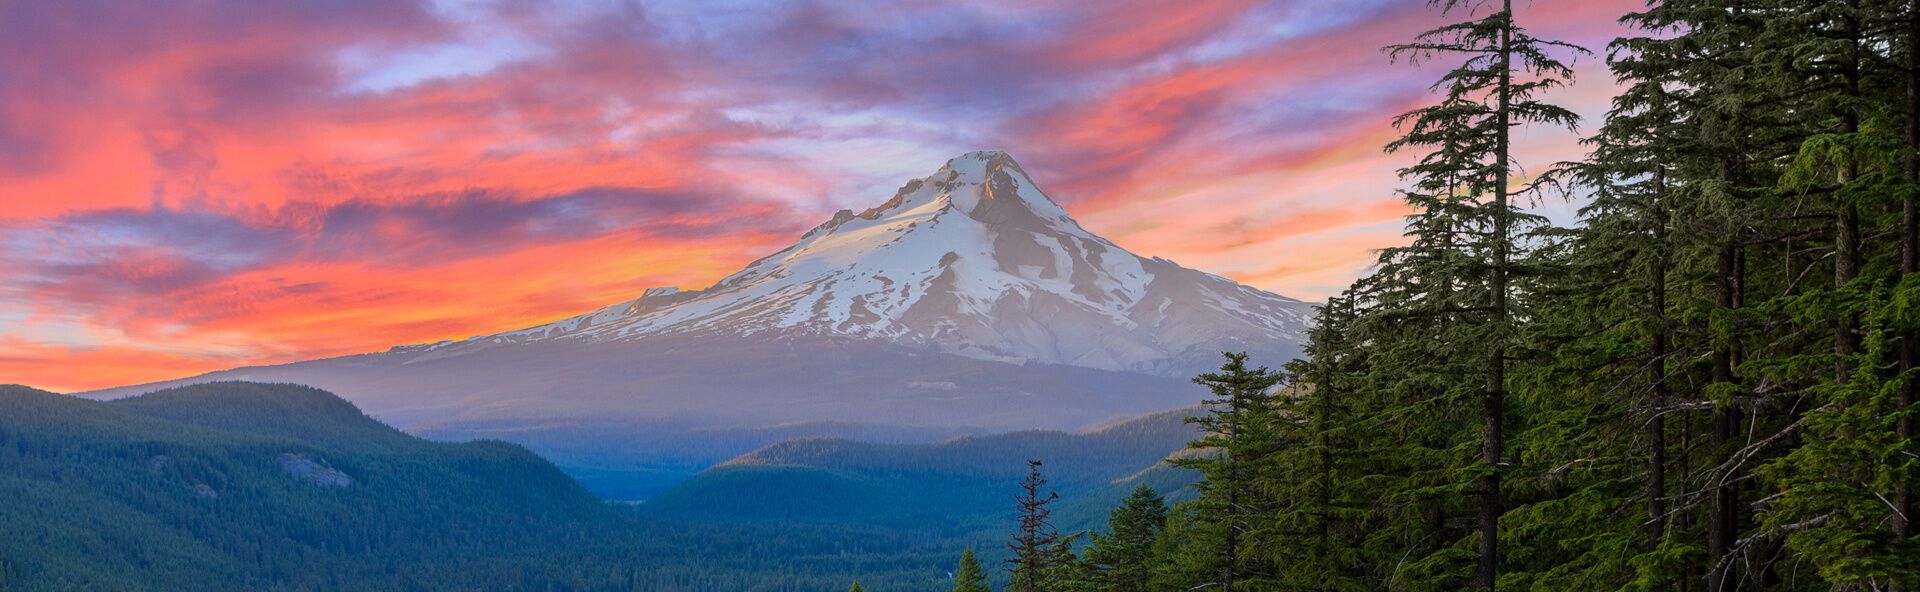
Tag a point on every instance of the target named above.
point(1846, 236)
point(1493, 408)
point(1323, 408)
point(1229, 549)
point(1909, 258)
point(1846, 244)
point(1683, 522)
point(1657, 423)
point(1723, 511)
point(1909, 264)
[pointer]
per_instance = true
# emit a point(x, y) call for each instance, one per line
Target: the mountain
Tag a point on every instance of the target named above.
point(973, 260)
point(229, 486)
point(969, 301)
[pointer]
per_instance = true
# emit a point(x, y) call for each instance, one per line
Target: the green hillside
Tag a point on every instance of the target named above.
point(251, 486)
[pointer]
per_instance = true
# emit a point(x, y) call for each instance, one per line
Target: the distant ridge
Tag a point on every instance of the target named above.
point(286, 410)
point(965, 480)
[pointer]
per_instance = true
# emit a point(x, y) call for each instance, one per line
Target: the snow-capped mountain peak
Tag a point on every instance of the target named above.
point(1004, 192)
point(974, 259)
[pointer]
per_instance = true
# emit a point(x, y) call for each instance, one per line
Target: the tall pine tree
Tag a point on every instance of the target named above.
point(1464, 187)
point(1122, 558)
point(1034, 539)
point(969, 576)
point(1234, 434)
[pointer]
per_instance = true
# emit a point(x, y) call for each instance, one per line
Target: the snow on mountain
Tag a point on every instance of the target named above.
point(973, 260)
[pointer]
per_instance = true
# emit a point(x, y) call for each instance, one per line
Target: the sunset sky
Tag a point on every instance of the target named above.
point(197, 185)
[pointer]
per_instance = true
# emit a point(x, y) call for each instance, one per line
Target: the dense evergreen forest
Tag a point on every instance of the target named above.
point(246, 486)
point(1706, 384)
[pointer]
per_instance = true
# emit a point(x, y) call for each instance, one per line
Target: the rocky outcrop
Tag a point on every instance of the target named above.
point(301, 467)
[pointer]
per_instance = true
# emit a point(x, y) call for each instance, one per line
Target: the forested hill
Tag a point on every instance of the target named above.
point(958, 487)
point(253, 486)
point(1100, 454)
point(276, 410)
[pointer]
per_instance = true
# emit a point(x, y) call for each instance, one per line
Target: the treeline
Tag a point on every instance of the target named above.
point(1706, 383)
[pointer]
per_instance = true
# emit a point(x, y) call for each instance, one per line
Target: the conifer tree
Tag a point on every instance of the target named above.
point(1318, 518)
point(1122, 557)
point(1906, 476)
point(969, 577)
point(1234, 432)
point(1834, 490)
point(1906, 466)
point(1066, 571)
point(1034, 539)
point(1613, 352)
point(1185, 557)
point(1464, 188)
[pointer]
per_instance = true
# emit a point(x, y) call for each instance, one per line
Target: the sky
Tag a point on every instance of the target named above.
point(197, 185)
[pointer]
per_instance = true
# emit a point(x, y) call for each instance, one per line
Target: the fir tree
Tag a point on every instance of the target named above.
point(1463, 186)
point(1185, 557)
point(1235, 433)
point(1312, 534)
point(1123, 557)
point(1837, 485)
point(969, 577)
point(1034, 539)
point(1066, 571)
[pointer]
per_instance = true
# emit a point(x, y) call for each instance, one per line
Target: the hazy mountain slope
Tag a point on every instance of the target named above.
point(627, 460)
point(945, 496)
point(721, 381)
point(227, 486)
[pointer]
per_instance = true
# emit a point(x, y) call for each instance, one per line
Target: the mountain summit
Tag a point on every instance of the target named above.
point(972, 260)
